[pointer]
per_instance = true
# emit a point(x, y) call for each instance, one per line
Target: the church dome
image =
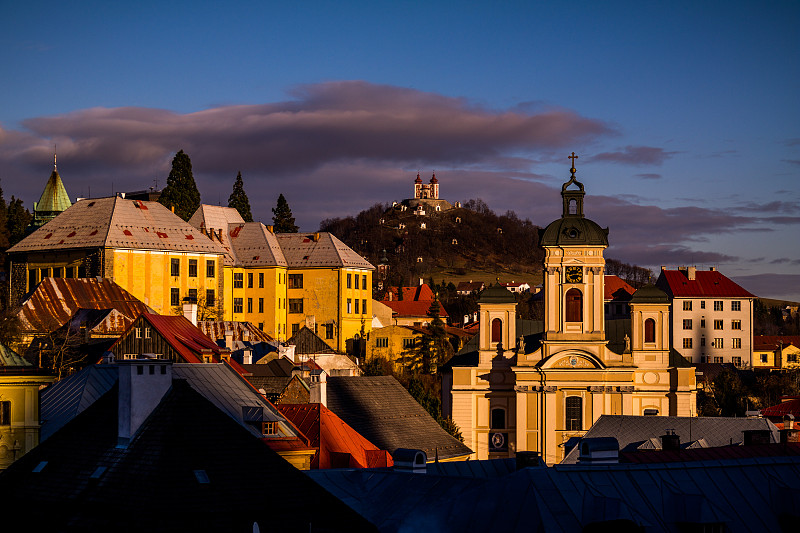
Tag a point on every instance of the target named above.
point(418, 180)
point(496, 294)
point(573, 228)
point(649, 294)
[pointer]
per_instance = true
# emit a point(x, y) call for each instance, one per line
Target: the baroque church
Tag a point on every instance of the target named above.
point(526, 386)
point(426, 198)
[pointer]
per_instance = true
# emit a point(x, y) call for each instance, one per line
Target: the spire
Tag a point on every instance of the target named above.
point(418, 180)
point(55, 162)
point(433, 178)
point(572, 198)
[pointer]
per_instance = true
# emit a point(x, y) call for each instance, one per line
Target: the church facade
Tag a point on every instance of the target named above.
point(534, 388)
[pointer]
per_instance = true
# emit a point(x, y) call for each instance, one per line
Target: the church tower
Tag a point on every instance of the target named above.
point(434, 187)
point(53, 202)
point(573, 275)
point(418, 187)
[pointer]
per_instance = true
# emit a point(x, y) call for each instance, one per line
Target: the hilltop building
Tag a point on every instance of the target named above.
point(53, 201)
point(534, 392)
point(426, 198)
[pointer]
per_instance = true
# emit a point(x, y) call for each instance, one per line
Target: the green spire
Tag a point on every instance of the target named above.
point(54, 199)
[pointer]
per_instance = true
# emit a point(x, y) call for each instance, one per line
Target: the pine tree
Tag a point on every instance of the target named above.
point(18, 219)
point(181, 190)
point(282, 217)
point(238, 199)
point(4, 234)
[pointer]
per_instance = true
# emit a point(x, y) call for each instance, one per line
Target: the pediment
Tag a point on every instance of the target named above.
point(573, 359)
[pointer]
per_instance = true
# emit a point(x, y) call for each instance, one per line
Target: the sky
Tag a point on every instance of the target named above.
point(685, 116)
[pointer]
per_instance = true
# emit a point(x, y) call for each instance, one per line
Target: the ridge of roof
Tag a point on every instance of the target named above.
point(320, 249)
point(707, 283)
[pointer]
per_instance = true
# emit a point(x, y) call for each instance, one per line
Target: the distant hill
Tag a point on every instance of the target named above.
point(450, 244)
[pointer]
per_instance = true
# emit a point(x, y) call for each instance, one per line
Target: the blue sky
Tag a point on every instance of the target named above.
point(684, 114)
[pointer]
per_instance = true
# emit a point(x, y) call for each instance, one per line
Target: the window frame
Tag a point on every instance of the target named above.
point(238, 305)
point(238, 280)
point(295, 281)
point(192, 268)
point(211, 268)
point(175, 267)
point(571, 421)
point(295, 306)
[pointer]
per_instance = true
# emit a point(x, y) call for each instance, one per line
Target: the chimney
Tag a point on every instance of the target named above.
point(712, 269)
point(598, 450)
point(527, 459)
point(671, 442)
point(229, 339)
point(271, 229)
point(691, 273)
point(421, 282)
point(756, 436)
point(142, 385)
point(790, 436)
point(410, 461)
point(316, 237)
point(247, 356)
point(190, 310)
point(319, 390)
point(788, 421)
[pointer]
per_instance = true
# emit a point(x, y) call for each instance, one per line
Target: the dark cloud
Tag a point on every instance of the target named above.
point(792, 161)
point(773, 207)
point(635, 155)
point(793, 142)
point(778, 286)
point(784, 261)
point(649, 176)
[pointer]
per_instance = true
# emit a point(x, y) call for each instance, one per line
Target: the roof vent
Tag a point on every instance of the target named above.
point(410, 461)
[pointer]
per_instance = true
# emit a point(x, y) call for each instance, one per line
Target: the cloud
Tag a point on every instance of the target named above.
point(778, 286)
point(635, 155)
point(649, 176)
point(773, 207)
point(792, 161)
point(793, 142)
point(784, 261)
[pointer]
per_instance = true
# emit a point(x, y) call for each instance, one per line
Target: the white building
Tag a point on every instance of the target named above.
point(712, 317)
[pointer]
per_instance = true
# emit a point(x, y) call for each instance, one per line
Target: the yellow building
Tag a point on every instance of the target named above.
point(534, 392)
point(285, 281)
point(141, 246)
point(774, 352)
point(19, 406)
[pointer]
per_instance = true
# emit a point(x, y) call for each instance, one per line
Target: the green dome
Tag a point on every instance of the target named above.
point(496, 294)
point(649, 294)
point(573, 231)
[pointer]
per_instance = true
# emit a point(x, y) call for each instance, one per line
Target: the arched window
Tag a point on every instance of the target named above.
point(573, 409)
point(573, 207)
point(498, 418)
point(574, 305)
point(497, 330)
point(649, 330)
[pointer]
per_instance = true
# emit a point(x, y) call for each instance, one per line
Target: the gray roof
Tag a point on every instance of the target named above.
point(9, 357)
point(309, 250)
point(217, 382)
point(745, 495)
point(117, 223)
point(380, 409)
point(636, 432)
point(307, 342)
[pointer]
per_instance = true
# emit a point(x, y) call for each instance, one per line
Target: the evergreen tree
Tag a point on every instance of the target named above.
point(4, 240)
point(239, 201)
point(18, 218)
point(282, 217)
point(181, 190)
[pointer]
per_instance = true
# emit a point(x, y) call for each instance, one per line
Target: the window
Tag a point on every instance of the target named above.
point(175, 267)
point(249, 280)
point(498, 418)
point(174, 296)
point(238, 305)
point(718, 324)
point(238, 280)
point(736, 324)
point(31, 279)
point(249, 305)
point(717, 359)
point(718, 343)
point(146, 333)
point(737, 361)
point(349, 281)
point(193, 295)
point(295, 329)
point(382, 342)
point(295, 305)
point(269, 428)
point(260, 280)
point(295, 281)
point(70, 272)
point(650, 330)
point(702, 304)
point(138, 332)
point(358, 307)
point(408, 342)
point(328, 331)
point(791, 357)
point(5, 413)
point(261, 305)
point(574, 306)
point(497, 330)
point(261, 326)
point(82, 271)
point(364, 282)
point(687, 323)
point(211, 299)
point(736, 305)
point(736, 343)
point(702, 341)
point(364, 306)
point(349, 305)
point(211, 267)
point(764, 358)
point(192, 268)
point(702, 322)
point(574, 413)
point(57, 272)
point(687, 305)
point(45, 273)
point(717, 305)
point(687, 343)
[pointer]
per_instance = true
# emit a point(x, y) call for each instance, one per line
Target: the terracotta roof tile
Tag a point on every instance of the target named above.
point(707, 283)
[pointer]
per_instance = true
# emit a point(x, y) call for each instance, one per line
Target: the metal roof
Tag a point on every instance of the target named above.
point(54, 197)
point(56, 300)
point(309, 250)
point(242, 331)
point(10, 358)
point(707, 284)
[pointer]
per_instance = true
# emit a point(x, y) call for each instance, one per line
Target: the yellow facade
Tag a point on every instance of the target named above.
point(257, 295)
point(19, 401)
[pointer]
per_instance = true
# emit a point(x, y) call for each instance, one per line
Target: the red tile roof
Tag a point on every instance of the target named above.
point(770, 342)
point(615, 288)
point(419, 293)
point(707, 283)
point(714, 453)
point(340, 446)
point(789, 405)
point(411, 308)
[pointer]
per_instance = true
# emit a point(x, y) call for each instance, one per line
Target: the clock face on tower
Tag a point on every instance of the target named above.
point(574, 274)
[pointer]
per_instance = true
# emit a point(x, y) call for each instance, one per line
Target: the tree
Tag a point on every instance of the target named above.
point(282, 217)
point(239, 201)
point(4, 241)
point(181, 191)
point(18, 219)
